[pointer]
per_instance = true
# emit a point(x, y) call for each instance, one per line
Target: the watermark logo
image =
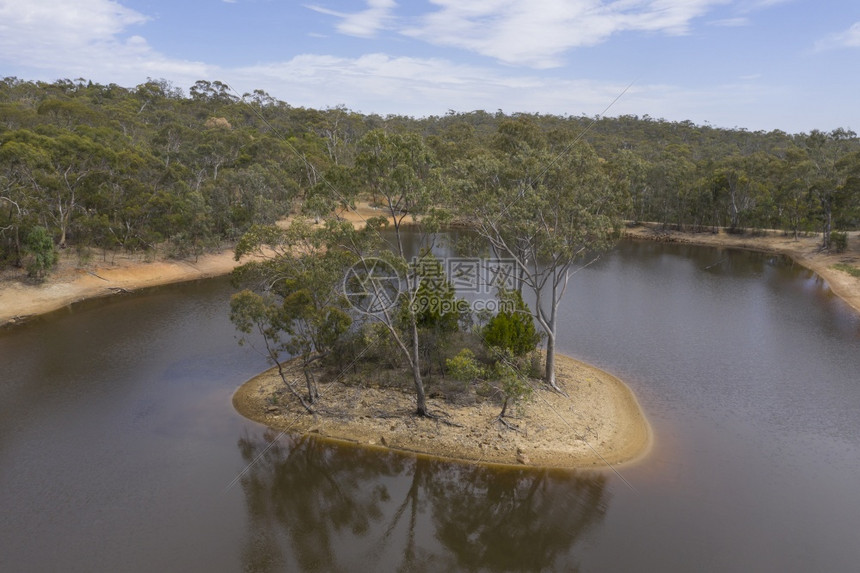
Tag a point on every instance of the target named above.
point(441, 306)
point(372, 286)
point(481, 276)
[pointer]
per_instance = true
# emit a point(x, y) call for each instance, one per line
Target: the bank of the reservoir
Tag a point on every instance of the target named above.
point(804, 250)
point(74, 282)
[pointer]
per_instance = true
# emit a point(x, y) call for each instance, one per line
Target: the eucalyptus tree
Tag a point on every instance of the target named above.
point(545, 209)
point(398, 172)
point(848, 166)
point(292, 298)
point(19, 199)
point(829, 184)
point(76, 164)
point(672, 178)
point(789, 177)
point(42, 255)
point(631, 171)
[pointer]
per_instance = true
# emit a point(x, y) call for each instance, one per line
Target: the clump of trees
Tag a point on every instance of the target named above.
point(151, 169)
point(508, 365)
point(292, 298)
point(403, 177)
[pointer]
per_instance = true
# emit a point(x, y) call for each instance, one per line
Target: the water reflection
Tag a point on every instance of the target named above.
point(323, 507)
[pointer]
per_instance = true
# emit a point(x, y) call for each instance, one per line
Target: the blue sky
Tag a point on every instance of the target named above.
point(792, 65)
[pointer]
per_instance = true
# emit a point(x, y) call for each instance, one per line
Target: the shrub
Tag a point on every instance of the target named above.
point(464, 367)
point(435, 304)
point(41, 253)
point(513, 331)
point(838, 241)
point(514, 385)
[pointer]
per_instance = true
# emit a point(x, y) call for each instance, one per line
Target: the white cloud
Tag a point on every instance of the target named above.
point(850, 38)
point(97, 39)
point(364, 24)
point(760, 4)
point(378, 83)
point(83, 38)
point(537, 32)
point(36, 25)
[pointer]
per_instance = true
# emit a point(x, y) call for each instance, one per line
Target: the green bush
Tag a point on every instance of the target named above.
point(838, 241)
point(41, 254)
point(515, 387)
point(435, 303)
point(464, 367)
point(512, 330)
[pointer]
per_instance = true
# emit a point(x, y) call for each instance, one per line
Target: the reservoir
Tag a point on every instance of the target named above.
point(120, 449)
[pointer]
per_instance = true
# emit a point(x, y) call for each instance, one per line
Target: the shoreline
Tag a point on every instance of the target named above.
point(803, 251)
point(598, 426)
point(72, 283)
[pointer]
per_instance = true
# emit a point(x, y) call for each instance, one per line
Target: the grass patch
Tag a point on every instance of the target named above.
point(850, 269)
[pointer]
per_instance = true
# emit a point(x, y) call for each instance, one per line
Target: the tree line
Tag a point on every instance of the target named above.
point(104, 168)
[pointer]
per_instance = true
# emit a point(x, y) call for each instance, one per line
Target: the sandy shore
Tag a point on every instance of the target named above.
point(804, 250)
point(600, 423)
point(71, 281)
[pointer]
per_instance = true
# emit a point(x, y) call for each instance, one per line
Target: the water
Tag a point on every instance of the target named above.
point(120, 450)
point(748, 371)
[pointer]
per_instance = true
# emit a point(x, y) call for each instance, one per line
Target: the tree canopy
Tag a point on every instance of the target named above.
point(151, 168)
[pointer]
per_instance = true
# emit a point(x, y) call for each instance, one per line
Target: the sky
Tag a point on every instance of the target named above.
point(792, 65)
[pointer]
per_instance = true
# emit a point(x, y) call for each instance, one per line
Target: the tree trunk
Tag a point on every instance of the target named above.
point(18, 256)
point(313, 393)
point(550, 339)
point(62, 220)
point(289, 386)
point(550, 361)
point(421, 404)
point(504, 408)
point(828, 225)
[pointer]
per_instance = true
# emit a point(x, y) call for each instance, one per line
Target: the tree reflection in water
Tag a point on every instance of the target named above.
point(316, 506)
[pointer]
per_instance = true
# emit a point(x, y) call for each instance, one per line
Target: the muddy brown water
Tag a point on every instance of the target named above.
point(120, 451)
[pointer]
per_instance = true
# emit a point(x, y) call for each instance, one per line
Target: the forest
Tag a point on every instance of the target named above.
point(102, 168)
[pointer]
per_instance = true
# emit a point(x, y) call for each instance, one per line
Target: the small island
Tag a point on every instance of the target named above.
point(597, 423)
point(403, 339)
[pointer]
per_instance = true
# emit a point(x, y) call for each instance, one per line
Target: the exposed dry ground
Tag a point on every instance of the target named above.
point(73, 281)
point(598, 423)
